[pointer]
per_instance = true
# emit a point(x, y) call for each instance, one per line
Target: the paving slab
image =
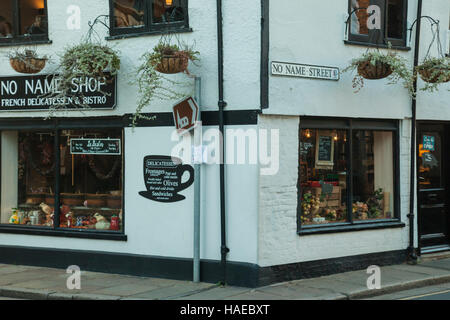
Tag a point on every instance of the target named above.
point(16, 292)
point(15, 277)
point(256, 295)
point(300, 292)
point(174, 292)
point(86, 296)
point(218, 293)
point(124, 289)
point(441, 264)
point(412, 292)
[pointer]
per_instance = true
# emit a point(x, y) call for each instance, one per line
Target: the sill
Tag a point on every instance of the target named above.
point(348, 227)
point(147, 33)
point(372, 45)
point(67, 233)
point(12, 43)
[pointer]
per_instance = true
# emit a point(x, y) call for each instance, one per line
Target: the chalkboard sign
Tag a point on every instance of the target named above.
point(324, 150)
point(95, 146)
point(163, 178)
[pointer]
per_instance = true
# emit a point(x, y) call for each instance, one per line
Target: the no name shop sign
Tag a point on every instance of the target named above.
point(305, 71)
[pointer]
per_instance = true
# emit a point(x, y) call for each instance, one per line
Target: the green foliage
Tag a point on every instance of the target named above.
point(399, 67)
point(86, 59)
point(152, 84)
point(439, 72)
point(25, 54)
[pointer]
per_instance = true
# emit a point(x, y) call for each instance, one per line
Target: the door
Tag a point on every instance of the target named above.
point(433, 188)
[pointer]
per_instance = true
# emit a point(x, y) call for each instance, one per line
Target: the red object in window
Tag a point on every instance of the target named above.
point(114, 223)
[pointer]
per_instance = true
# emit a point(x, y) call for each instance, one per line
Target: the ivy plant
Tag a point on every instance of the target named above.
point(434, 72)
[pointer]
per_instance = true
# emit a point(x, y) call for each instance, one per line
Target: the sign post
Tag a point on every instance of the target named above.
point(186, 116)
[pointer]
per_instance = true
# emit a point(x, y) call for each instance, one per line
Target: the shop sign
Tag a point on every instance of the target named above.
point(34, 93)
point(428, 143)
point(95, 146)
point(185, 115)
point(305, 71)
point(162, 178)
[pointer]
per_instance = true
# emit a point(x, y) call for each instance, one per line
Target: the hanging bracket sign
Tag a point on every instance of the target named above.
point(305, 71)
point(95, 146)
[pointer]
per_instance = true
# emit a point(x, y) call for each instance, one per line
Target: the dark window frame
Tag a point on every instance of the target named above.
point(149, 27)
point(371, 39)
point(56, 126)
point(23, 39)
point(349, 125)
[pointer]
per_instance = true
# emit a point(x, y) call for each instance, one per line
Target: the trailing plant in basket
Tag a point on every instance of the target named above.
point(27, 61)
point(434, 71)
point(151, 81)
point(83, 60)
point(378, 65)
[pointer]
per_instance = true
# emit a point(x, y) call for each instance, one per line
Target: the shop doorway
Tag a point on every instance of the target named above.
point(433, 186)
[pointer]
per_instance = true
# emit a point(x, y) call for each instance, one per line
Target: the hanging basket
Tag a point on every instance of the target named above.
point(374, 72)
point(27, 65)
point(431, 76)
point(171, 64)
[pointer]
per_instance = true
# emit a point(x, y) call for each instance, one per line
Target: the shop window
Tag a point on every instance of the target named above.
point(141, 16)
point(378, 21)
point(88, 173)
point(23, 20)
point(346, 170)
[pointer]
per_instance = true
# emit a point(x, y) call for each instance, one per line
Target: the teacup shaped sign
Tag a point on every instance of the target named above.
point(163, 178)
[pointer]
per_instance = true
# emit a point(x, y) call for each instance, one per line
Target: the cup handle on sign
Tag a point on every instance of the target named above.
point(190, 181)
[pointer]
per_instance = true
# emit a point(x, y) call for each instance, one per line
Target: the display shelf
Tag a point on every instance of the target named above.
point(73, 209)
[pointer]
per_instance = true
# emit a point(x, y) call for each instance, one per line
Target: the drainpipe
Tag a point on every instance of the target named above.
point(412, 256)
point(222, 104)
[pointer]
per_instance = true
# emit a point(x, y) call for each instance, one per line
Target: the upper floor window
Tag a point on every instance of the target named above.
point(140, 16)
point(23, 20)
point(378, 21)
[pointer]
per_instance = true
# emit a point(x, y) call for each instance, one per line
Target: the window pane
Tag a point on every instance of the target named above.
point(430, 156)
point(395, 19)
point(6, 14)
point(33, 19)
point(166, 11)
point(28, 175)
point(360, 17)
point(91, 184)
point(373, 175)
point(129, 13)
point(323, 177)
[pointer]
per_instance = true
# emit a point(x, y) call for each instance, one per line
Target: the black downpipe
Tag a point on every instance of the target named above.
point(412, 255)
point(222, 104)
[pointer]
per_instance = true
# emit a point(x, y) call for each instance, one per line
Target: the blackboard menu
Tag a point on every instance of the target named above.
point(95, 146)
point(325, 145)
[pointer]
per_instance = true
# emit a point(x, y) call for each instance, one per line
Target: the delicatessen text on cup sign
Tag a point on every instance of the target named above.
point(36, 92)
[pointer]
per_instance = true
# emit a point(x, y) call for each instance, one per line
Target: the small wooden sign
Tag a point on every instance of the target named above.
point(95, 146)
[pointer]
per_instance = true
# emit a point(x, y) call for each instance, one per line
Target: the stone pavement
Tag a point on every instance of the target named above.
point(27, 282)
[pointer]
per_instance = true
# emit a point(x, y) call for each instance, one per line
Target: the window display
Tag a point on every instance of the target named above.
point(89, 179)
point(346, 170)
point(323, 175)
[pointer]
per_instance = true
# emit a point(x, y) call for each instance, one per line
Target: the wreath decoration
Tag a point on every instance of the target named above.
point(99, 174)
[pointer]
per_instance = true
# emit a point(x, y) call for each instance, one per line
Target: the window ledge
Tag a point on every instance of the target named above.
point(12, 43)
point(347, 227)
point(67, 233)
point(372, 45)
point(147, 33)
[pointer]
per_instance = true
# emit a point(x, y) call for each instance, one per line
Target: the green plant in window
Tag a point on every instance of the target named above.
point(310, 206)
point(375, 204)
point(373, 65)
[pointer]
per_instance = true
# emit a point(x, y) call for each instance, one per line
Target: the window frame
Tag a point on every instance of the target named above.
point(22, 39)
point(56, 126)
point(349, 125)
point(149, 27)
point(365, 40)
